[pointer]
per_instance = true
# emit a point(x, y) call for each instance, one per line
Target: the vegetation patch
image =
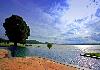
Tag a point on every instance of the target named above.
point(92, 55)
point(10, 44)
point(49, 45)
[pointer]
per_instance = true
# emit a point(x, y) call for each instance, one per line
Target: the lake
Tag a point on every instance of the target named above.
point(67, 54)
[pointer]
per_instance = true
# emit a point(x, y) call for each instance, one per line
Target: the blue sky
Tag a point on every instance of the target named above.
point(60, 21)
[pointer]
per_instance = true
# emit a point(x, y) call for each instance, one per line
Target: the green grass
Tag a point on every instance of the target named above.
point(93, 54)
point(5, 44)
point(10, 44)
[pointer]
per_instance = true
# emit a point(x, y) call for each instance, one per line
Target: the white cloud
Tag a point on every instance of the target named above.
point(77, 10)
point(61, 20)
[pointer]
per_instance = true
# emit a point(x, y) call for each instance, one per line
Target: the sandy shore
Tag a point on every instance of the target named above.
point(30, 63)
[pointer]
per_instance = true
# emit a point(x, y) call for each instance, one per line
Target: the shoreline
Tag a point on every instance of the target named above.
point(39, 62)
point(32, 63)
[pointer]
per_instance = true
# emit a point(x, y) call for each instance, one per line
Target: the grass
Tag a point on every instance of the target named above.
point(93, 54)
point(10, 44)
point(5, 44)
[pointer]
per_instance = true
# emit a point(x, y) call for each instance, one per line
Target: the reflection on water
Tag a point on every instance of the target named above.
point(19, 51)
point(89, 48)
point(63, 53)
point(83, 47)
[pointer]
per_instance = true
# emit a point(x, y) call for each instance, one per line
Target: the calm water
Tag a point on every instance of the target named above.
point(64, 54)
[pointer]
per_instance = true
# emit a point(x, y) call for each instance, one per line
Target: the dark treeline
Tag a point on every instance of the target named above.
point(27, 41)
point(33, 42)
point(4, 41)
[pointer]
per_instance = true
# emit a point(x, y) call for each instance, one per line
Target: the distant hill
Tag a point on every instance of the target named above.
point(33, 42)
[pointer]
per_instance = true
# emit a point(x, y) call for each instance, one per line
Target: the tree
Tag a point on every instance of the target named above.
point(16, 29)
point(49, 45)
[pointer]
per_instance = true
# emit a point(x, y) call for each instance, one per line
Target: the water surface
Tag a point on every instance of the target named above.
point(63, 53)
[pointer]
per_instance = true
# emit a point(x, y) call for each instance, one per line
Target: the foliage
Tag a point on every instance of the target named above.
point(93, 54)
point(33, 42)
point(3, 41)
point(49, 45)
point(16, 29)
point(4, 45)
point(10, 45)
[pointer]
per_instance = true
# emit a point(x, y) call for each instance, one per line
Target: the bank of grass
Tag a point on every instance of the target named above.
point(10, 44)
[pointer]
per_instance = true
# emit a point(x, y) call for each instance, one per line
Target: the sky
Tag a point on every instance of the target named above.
point(57, 21)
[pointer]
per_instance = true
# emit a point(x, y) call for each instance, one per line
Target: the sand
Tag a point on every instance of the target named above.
point(31, 63)
point(3, 53)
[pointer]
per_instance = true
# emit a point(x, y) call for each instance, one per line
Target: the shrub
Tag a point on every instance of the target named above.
point(49, 45)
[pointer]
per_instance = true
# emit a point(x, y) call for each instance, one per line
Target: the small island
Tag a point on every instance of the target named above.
point(92, 55)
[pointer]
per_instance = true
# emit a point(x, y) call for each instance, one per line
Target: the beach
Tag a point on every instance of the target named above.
point(30, 63)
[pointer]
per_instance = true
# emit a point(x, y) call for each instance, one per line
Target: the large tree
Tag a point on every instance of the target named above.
point(16, 29)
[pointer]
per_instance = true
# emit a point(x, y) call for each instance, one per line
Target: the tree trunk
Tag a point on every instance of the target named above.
point(15, 44)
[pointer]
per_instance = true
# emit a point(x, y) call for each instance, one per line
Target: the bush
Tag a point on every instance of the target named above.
point(49, 45)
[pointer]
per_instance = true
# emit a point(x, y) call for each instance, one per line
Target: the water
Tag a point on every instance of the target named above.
point(63, 53)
